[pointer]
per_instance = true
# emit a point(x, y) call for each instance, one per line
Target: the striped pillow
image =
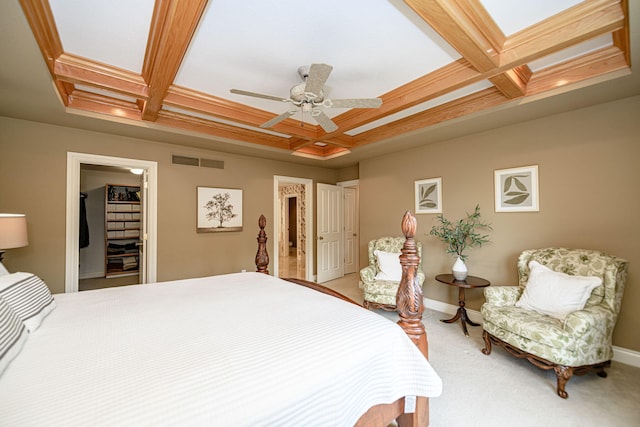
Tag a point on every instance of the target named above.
point(13, 334)
point(28, 296)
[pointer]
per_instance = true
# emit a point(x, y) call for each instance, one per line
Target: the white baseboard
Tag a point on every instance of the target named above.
point(626, 356)
point(620, 354)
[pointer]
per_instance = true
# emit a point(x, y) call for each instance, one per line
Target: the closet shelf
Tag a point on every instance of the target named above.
point(122, 230)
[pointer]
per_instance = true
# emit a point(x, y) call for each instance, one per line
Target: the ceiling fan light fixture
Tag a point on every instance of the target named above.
point(308, 96)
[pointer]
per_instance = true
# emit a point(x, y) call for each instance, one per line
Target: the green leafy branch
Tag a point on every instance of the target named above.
point(461, 235)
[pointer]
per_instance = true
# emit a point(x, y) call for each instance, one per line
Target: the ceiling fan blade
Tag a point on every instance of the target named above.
point(353, 103)
point(257, 95)
point(324, 121)
point(318, 75)
point(277, 119)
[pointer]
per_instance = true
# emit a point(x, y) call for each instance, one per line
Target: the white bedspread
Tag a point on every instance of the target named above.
point(226, 350)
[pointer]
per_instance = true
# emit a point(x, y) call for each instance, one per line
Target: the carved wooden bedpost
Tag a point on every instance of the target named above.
point(262, 257)
point(409, 298)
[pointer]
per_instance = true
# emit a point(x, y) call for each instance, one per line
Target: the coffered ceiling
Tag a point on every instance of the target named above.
point(170, 64)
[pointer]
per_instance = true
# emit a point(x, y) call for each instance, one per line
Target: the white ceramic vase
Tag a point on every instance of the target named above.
point(459, 269)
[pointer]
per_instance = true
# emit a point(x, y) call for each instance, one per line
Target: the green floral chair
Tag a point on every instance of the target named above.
point(381, 292)
point(578, 343)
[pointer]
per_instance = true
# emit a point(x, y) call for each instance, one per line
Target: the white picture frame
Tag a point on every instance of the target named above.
point(428, 196)
point(516, 189)
point(218, 210)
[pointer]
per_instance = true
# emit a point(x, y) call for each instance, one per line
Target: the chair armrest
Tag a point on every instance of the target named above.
point(502, 295)
point(368, 274)
point(595, 320)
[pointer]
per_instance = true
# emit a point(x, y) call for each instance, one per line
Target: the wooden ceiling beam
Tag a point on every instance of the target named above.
point(451, 77)
point(321, 152)
point(101, 104)
point(344, 141)
point(473, 103)
point(77, 70)
point(194, 124)
point(43, 26)
point(512, 83)
point(590, 66)
point(466, 25)
point(192, 100)
point(453, 21)
point(593, 65)
point(173, 25)
point(573, 26)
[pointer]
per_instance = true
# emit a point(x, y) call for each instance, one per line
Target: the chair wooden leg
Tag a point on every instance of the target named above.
point(563, 374)
point(487, 343)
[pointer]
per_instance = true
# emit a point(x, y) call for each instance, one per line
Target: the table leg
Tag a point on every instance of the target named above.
point(461, 314)
point(453, 319)
point(469, 320)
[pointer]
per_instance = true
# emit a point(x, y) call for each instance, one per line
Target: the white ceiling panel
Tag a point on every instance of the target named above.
point(258, 46)
point(515, 15)
point(109, 31)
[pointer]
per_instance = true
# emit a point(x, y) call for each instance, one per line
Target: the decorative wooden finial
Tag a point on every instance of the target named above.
point(262, 257)
point(409, 298)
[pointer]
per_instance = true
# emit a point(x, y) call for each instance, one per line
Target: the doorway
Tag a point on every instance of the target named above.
point(291, 254)
point(148, 262)
point(293, 239)
point(109, 258)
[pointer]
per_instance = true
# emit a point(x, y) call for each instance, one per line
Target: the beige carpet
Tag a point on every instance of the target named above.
point(500, 390)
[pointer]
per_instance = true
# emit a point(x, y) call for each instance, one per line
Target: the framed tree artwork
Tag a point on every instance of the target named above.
point(428, 193)
point(516, 189)
point(218, 210)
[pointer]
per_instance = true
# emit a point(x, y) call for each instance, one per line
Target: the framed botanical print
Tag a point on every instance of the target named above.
point(516, 189)
point(428, 194)
point(218, 210)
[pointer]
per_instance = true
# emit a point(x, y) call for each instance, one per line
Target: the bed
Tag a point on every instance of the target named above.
point(236, 349)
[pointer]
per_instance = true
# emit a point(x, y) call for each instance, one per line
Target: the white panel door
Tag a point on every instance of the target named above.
point(330, 233)
point(350, 230)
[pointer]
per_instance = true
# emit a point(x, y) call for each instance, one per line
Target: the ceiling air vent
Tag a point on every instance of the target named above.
point(184, 160)
point(209, 163)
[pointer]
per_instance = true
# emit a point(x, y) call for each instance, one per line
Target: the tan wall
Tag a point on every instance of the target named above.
point(348, 174)
point(33, 163)
point(588, 176)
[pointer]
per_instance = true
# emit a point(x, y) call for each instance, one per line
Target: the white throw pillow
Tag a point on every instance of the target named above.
point(13, 334)
point(28, 296)
point(389, 264)
point(556, 294)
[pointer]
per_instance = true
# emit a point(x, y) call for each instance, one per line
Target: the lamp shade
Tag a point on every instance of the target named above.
point(13, 231)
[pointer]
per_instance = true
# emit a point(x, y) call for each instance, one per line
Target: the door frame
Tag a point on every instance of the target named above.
point(309, 245)
point(72, 233)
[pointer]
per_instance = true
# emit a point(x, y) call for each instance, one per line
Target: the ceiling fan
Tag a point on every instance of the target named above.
point(308, 97)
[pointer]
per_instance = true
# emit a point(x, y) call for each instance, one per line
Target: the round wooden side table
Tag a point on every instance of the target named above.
point(468, 283)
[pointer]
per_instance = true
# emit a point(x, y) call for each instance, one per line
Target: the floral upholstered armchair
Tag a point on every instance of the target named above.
point(562, 313)
point(381, 278)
